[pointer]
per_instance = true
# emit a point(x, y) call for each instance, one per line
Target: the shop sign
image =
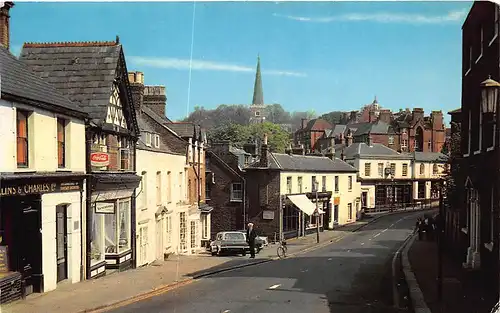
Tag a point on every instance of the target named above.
point(30, 189)
point(99, 159)
point(4, 259)
point(336, 200)
point(105, 207)
point(268, 215)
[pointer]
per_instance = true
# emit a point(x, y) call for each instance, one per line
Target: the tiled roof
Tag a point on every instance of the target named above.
point(83, 71)
point(429, 156)
point(18, 80)
point(361, 149)
point(306, 163)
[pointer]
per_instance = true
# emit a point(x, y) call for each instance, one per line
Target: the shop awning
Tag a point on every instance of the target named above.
point(304, 204)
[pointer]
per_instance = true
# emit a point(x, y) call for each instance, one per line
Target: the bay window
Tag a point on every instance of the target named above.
point(97, 238)
point(117, 228)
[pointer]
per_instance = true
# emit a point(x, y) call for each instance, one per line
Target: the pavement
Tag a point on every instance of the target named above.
point(461, 294)
point(351, 275)
point(178, 271)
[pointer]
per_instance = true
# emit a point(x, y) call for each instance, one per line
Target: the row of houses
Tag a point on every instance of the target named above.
point(279, 192)
point(94, 178)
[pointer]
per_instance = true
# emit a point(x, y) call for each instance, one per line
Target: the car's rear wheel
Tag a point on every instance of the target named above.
point(243, 253)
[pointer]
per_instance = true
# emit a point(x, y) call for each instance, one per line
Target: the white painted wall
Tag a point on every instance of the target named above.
point(42, 141)
point(374, 172)
point(74, 228)
point(346, 195)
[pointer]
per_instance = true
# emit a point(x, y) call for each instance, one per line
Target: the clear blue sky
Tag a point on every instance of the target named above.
point(314, 55)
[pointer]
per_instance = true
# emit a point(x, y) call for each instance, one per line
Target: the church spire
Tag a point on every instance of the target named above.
point(258, 94)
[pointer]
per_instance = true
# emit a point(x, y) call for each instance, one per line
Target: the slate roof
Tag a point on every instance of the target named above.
point(429, 156)
point(83, 71)
point(362, 150)
point(307, 163)
point(186, 129)
point(19, 81)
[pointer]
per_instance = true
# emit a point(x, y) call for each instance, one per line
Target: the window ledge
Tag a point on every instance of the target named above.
point(489, 245)
point(492, 40)
point(467, 73)
point(25, 170)
point(479, 58)
point(490, 148)
point(466, 155)
point(465, 230)
point(235, 200)
point(477, 152)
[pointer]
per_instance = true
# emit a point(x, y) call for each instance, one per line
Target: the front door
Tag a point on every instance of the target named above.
point(62, 243)
point(336, 213)
point(364, 199)
point(159, 239)
point(31, 255)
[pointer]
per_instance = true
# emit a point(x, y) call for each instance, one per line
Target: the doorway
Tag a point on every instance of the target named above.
point(159, 239)
point(335, 214)
point(61, 242)
point(364, 199)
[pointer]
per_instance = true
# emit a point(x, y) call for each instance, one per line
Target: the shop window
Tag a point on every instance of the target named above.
point(61, 143)
point(22, 138)
point(204, 226)
point(97, 240)
point(117, 228)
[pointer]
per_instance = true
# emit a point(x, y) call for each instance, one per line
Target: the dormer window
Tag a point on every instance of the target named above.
point(157, 141)
point(146, 137)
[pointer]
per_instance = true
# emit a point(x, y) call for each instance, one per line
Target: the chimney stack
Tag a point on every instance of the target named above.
point(370, 140)
point(332, 143)
point(349, 139)
point(264, 160)
point(5, 24)
point(136, 81)
point(304, 122)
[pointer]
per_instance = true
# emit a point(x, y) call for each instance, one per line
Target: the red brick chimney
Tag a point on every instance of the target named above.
point(4, 24)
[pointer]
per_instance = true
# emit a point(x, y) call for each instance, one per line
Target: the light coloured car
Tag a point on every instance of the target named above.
point(229, 242)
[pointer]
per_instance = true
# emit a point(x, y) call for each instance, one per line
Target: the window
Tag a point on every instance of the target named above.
point(125, 163)
point(189, 191)
point(469, 65)
point(469, 132)
point(169, 186)
point(157, 141)
point(61, 143)
point(393, 169)
point(144, 190)
point(405, 170)
point(289, 185)
point(169, 229)
point(193, 234)
point(435, 169)
point(207, 190)
point(22, 138)
point(368, 169)
point(492, 216)
point(313, 183)
point(236, 192)
point(183, 231)
point(336, 183)
point(495, 34)
point(118, 228)
point(323, 183)
point(204, 226)
point(147, 139)
point(349, 183)
point(429, 146)
point(481, 47)
point(381, 170)
point(349, 211)
point(404, 143)
point(182, 194)
point(480, 141)
point(299, 183)
point(97, 238)
point(257, 113)
point(422, 169)
point(391, 140)
point(158, 188)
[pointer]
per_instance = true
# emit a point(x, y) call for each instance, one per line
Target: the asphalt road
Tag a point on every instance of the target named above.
point(349, 276)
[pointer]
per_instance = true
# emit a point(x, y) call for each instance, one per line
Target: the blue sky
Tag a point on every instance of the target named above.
point(314, 55)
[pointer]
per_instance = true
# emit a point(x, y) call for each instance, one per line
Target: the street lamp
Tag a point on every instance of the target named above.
point(489, 104)
point(388, 173)
point(316, 212)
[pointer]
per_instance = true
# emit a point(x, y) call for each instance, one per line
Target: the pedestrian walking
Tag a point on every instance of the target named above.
point(251, 236)
point(419, 227)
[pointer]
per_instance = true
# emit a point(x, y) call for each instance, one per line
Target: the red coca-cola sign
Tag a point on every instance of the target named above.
point(99, 159)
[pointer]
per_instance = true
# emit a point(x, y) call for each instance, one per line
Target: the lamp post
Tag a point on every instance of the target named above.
point(389, 174)
point(316, 212)
point(489, 104)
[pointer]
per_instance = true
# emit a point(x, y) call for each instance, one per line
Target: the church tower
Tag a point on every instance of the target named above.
point(258, 108)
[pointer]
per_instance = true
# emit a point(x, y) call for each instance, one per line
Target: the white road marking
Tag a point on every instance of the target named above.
point(362, 243)
point(274, 286)
point(226, 311)
point(329, 259)
point(349, 250)
point(385, 230)
point(376, 235)
point(303, 271)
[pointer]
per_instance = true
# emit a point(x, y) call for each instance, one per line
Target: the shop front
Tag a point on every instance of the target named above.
point(35, 209)
point(299, 216)
point(111, 223)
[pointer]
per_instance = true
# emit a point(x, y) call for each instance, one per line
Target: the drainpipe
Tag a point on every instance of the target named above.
point(133, 212)
point(82, 246)
point(88, 206)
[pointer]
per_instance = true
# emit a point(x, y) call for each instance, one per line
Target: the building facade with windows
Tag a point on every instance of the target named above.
point(42, 182)
point(478, 217)
point(287, 191)
point(392, 180)
point(103, 91)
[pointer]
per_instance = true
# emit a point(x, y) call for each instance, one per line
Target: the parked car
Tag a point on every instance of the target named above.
point(229, 241)
point(260, 242)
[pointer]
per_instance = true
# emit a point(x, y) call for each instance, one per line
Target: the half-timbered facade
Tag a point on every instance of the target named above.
point(94, 74)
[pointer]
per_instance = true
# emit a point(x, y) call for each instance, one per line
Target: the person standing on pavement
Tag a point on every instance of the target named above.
point(251, 236)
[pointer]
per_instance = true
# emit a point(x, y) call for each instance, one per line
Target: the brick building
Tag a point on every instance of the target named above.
point(310, 132)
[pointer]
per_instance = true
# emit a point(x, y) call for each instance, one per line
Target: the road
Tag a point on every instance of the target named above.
point(349, 276)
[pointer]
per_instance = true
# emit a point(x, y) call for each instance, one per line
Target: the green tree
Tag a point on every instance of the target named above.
point(236, 134)
point(277, 138)
point(453, 178)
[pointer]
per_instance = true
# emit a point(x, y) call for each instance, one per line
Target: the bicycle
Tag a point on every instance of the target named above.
point(282, 249)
